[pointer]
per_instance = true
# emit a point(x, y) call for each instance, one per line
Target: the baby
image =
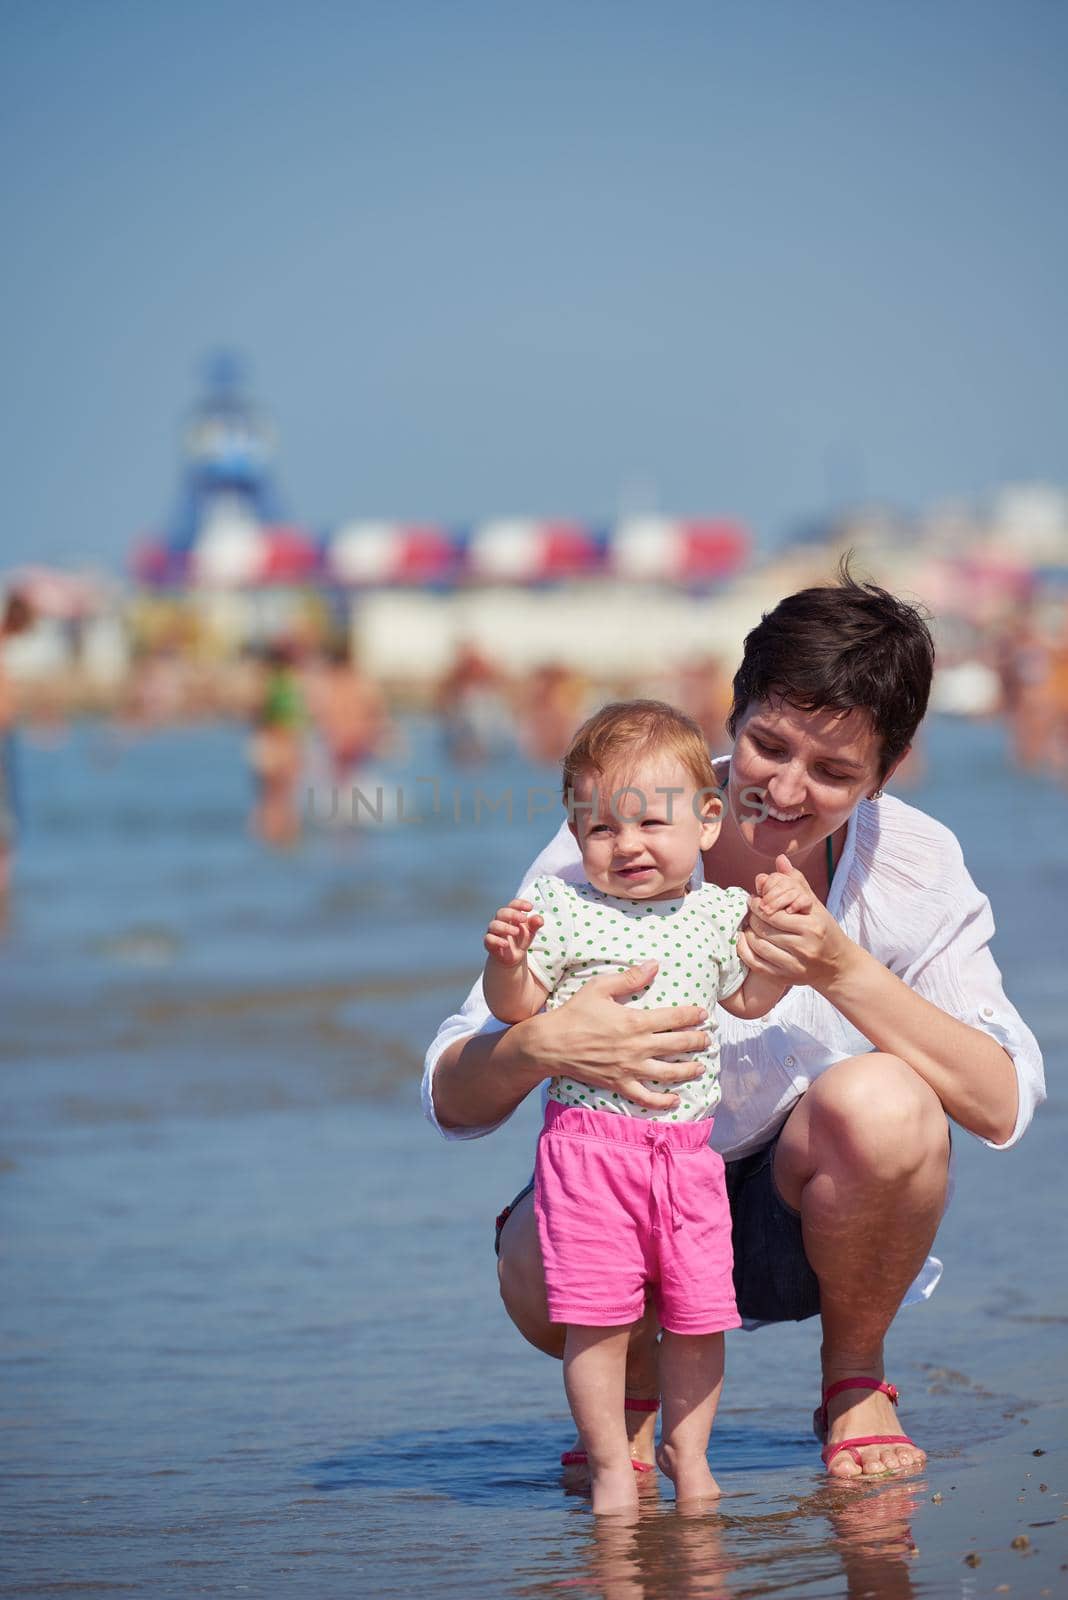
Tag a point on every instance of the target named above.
point(627, 1198)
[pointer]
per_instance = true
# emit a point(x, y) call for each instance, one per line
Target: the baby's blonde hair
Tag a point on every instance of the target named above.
point(629, 731)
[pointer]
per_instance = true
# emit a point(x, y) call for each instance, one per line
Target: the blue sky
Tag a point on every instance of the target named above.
point(748, 257)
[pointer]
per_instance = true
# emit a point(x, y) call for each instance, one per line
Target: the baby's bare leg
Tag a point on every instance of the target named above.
point(595, 1365)
point(691, 1376)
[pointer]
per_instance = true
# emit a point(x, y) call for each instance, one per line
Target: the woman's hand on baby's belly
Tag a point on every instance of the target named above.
point(593, 1038)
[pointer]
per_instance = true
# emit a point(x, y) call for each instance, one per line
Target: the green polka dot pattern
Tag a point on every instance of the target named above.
point(587, 934)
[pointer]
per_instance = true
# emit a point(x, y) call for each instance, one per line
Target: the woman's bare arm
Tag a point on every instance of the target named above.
point(480, 1080)
point(970, 1072)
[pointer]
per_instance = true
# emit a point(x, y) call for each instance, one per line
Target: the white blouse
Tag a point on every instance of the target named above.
point(901, 891)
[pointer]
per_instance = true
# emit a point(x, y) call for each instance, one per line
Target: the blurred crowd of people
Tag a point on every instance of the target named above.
point(322, 710)
point(319, 719)
point(319, 722)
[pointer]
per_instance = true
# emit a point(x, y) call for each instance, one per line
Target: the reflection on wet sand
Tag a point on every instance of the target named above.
point(660, 1554)
point(873, 1537)
point(855, 1540)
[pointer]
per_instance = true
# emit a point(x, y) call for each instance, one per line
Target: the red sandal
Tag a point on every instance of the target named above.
point(579, 1458)
point(820, 1423)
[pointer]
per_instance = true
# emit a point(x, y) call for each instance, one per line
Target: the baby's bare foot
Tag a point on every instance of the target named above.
point(614, 1489)
point(689, 1474)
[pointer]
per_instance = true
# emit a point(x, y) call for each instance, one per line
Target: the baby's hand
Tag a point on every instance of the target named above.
point(511, 933)
point(777, 891)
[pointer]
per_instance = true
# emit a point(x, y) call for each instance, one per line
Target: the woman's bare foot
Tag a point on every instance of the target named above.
point(641, 1431)
point(643, 1384)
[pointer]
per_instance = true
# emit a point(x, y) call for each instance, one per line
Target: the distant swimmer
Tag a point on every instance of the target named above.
point(349, 713)
point(1057, 691)
point(704, 691)
point(472, 702)
point(15, 618)
point(1023, 668)
point(276, 749)
point(555, 701)
point(1032, 666)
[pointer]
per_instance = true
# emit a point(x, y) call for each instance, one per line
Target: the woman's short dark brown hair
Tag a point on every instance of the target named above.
point(848, 646)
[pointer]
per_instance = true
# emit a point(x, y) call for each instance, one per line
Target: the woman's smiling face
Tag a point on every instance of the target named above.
point(797, 775)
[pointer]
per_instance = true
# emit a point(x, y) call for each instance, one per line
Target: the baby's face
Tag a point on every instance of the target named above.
point(641, 829)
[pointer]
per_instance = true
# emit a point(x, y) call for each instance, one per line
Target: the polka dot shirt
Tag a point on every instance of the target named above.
point(587, 934)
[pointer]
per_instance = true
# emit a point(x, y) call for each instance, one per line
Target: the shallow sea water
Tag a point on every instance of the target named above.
point(251, 1336)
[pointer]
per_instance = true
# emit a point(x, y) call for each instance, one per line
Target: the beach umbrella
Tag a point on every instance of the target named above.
point(229, 554)
point(362, 553)
point(507, 550)
point(713, 549)
point(672, 550)
point(571, 550)
point(427, 554)
point(369, 554)
point(287, 555)
point(529, 550)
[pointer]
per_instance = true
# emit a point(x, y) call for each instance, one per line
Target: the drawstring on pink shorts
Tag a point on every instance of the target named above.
point(663, 1176)
point(626, 1207)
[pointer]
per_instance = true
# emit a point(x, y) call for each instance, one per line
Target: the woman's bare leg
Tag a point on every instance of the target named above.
point(864, 1159)
point(521, 1277)
point(595, 1364)
point(522, 1283)
point(691, 1371)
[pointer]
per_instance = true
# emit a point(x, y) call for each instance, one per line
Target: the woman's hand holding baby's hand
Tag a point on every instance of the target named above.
point(782, 891)
point(511, 933)
point(790, 935)
point(611, 1046)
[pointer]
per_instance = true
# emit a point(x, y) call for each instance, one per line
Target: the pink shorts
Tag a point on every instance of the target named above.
point(624, 1205)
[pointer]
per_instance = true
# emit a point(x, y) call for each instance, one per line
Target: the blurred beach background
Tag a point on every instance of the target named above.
point(386, 388)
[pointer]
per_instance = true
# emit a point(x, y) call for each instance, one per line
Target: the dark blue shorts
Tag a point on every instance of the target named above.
point(773, 1281)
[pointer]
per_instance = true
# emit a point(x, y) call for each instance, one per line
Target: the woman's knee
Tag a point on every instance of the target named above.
point(521, 1278)
point(877, 1110)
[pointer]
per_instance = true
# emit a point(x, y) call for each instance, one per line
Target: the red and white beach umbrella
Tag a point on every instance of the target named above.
point(669, 550)
point(365, 554)
point(287, 555)
point(528, 550)
point(229, 554)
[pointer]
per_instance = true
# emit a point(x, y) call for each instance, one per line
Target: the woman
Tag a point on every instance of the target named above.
point(833, 1121)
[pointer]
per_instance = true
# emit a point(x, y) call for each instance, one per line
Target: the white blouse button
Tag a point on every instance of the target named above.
point(987, 1012)
point(790, 1061)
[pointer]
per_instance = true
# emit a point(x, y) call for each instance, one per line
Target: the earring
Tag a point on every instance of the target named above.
point(877, 795)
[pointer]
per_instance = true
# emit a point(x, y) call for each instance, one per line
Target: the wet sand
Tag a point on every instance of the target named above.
point(251, 1332)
